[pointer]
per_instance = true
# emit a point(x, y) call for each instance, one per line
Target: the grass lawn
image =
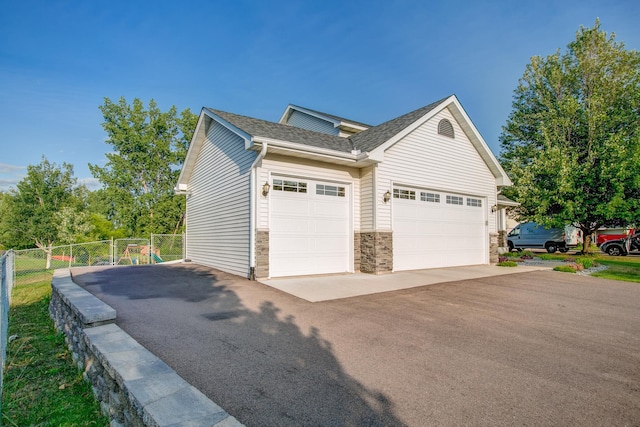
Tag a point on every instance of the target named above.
point(625, 268)
point(42, 385)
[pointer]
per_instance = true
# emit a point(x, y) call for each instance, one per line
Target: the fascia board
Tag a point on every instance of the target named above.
point(502, 179)
point(323, 152)
point(335, 122)
point(192, 152)
point(248, 143)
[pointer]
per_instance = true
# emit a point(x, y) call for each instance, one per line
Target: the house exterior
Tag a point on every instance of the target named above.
point(316, 193)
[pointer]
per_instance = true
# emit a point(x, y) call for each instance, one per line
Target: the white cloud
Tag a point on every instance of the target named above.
point(10, 175)
point(7, 168)
point(90, 182)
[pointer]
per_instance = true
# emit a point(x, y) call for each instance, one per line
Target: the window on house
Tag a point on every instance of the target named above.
point(430, 197)
point(330, 190)
point(291, 186)
point(474, 202)
point(455, 200)
point(404, 194)
point(446, 128)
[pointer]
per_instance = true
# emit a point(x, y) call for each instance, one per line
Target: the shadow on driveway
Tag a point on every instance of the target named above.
point(259, 365)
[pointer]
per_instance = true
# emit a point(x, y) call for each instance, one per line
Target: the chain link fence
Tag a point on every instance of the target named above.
point(7, 278)
point(35, 265)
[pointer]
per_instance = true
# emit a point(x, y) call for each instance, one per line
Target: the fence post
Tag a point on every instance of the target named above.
point(111, 260)
point(70, 254)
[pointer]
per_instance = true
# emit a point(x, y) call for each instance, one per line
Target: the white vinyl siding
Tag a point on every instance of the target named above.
point(297, 167)
point(366, 199)
point(218, 213)
point(305, 121)
point(428, 160)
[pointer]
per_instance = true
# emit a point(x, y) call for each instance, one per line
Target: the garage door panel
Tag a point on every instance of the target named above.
point(437, 234)
point(310, 233)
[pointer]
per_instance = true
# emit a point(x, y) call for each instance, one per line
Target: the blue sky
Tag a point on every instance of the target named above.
point(369, 61)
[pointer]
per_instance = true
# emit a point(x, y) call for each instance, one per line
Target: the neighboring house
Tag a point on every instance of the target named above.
point(316, 193)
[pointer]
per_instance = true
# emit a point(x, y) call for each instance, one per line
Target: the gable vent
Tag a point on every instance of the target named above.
point(445, 128)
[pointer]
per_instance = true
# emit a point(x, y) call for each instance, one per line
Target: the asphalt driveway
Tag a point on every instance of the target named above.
point(537, 348)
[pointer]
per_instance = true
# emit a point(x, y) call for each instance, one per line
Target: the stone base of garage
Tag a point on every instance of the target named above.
point(376, 251)
point(372, 252)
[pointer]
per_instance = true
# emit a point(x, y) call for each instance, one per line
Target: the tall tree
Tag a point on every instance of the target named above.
point(572, 141)
point(32, 207)
point(149, 147)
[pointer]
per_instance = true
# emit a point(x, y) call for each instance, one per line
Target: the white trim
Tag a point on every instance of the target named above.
point(321, 152)
point(253, 206)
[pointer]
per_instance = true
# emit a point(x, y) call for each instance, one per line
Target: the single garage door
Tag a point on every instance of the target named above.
point(437, 229)
point(310, 227)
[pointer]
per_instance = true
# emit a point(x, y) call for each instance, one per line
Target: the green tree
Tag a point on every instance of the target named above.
point(149, 147)
point(30, 209)
point(572, 141)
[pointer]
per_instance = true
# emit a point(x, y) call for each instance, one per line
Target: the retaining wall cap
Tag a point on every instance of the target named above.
point(87, 307)
point(166, 399)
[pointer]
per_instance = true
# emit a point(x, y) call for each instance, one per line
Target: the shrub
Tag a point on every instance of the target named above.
point(586, 262)
point(565, 268)
point(507, 264)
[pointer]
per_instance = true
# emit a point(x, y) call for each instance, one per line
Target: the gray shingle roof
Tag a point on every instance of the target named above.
point(373, 137)
point(265, 129)
point(367, 140)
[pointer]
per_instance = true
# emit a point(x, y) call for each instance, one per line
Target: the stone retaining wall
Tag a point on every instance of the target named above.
point(133, 386)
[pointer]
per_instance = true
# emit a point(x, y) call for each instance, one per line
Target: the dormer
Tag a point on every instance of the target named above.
point(320, 122)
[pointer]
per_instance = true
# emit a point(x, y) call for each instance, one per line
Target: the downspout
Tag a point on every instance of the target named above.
point(254, 210)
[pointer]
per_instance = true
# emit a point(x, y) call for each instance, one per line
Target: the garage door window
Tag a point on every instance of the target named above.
point(404, 194)
point(455, 200)
point(290, 186)
point(430, 197)
point(329, 190)
point(474, 202)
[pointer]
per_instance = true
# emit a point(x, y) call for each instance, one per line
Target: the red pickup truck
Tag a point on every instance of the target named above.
point(613, 234)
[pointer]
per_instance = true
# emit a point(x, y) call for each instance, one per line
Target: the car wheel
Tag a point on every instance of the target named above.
point(551, 247)
point(614, 250)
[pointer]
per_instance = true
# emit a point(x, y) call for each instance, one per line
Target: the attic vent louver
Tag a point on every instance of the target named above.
point(445, 128)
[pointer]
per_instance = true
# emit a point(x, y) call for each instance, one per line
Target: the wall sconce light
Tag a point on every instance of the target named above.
point(494, 208)
point(265, 188)
point(387, 196)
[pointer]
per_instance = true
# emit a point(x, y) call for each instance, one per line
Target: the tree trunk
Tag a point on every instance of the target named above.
point(586, 243)
point(48, 251)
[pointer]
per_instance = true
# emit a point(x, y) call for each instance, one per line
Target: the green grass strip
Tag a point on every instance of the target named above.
point(42, 385)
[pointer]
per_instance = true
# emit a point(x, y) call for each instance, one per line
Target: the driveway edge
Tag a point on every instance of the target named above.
point(134, 387)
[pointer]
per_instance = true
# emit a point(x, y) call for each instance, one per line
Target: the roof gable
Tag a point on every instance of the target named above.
point(341, 123)
point(364, 148)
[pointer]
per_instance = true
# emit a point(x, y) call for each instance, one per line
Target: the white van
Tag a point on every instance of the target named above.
point(532, 235)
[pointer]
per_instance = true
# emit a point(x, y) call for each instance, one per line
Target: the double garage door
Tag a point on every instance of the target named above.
point(310, 227)
point(437, 229)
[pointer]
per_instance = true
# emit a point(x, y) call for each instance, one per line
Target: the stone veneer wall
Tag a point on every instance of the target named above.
point(376, 252)
point(133, 386)
point(502, 239)
point(493, 248)
point(262, 253)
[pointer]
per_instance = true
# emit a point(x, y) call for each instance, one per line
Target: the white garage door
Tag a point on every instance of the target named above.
point(310, 227)
point(437, 229)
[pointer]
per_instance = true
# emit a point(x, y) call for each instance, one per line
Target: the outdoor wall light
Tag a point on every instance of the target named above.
point(265, 189)
point(494, 208)
point(387, 196)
